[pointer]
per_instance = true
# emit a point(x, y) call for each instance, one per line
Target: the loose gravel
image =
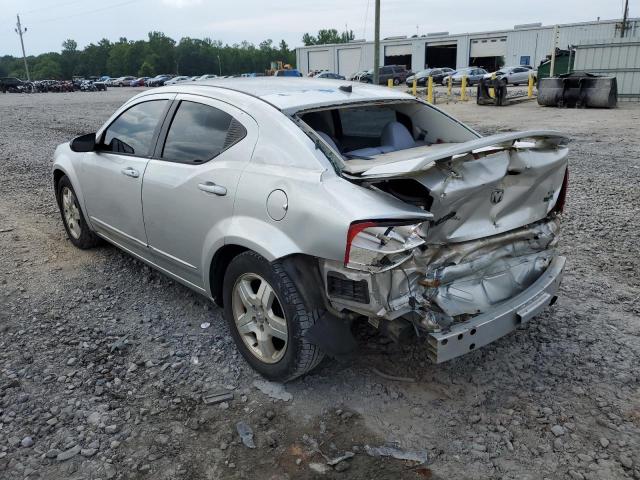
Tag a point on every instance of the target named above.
point(106, 372)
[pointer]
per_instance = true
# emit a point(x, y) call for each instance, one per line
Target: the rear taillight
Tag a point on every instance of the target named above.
point(562, 196)
point(354, 229)
point(377, 245)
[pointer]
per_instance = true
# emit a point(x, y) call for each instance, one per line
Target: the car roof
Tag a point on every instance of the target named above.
point(292, 94)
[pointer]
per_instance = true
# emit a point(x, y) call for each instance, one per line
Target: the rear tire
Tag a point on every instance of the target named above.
point(252, 319)
point(72, 217)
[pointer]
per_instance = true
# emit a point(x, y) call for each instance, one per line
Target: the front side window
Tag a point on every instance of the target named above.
point(132, 132)
point(199, 133)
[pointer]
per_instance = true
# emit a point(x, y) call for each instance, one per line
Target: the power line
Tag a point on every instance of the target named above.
point(366, 16)
point(87, 12)
point(50, 7)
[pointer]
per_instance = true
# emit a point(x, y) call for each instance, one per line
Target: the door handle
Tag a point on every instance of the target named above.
point(211, 187)
point(130, 172)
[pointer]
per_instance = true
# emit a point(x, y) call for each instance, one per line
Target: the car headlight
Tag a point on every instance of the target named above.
point(379, 245)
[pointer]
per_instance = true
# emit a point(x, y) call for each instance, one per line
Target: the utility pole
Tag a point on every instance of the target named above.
point(556, 34)
point(376, 46)
point(20, 31)
point(625, 16)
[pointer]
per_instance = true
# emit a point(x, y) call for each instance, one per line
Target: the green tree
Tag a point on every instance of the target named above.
point(164, 49)
point(157, 54)
point(146, 70)
point(117, 61)
point(47, 69)
point(328, 35)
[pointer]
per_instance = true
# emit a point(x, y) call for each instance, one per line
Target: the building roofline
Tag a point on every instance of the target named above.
point(457, 35)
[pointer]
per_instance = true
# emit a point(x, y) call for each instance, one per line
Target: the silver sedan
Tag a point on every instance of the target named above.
point(302, 205)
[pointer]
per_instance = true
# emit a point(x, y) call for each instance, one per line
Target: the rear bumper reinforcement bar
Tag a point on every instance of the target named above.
point(489, 326)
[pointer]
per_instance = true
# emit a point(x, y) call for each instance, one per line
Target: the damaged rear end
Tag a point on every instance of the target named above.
point(486, 261)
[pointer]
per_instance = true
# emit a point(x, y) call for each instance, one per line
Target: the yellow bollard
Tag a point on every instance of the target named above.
point(430, 90)
point(463, 89)
point(449, 85)
point(390, 83)
point(414, 87)
point(492, 92)
point(530, 88)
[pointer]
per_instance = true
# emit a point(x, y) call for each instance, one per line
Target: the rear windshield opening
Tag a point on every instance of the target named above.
point(366, 132)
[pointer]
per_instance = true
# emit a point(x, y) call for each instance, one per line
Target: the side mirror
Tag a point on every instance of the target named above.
point(84, 143)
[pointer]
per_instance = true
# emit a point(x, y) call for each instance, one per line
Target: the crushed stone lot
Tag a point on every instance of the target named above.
point(106, 373)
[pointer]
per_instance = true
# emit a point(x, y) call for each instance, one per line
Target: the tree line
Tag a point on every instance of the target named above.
point(160, 54)
point(157, 54)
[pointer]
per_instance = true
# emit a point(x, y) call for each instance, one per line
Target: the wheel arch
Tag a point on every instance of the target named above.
point(303, 269)
point(218, 267)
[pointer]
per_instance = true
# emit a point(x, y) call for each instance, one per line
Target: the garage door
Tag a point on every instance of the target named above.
point(319, 60)
point(349, 61)
point(489, 47)
point(393, 50)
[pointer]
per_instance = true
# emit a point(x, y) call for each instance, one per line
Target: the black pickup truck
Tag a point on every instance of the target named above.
point(11, 84)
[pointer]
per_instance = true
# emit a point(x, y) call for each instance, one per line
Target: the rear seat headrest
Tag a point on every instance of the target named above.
point(396, 135)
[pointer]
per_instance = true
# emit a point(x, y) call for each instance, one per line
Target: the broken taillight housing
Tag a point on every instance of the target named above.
point(562, 196)
point(379, 245)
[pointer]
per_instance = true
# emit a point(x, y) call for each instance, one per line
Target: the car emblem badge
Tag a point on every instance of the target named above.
point(497, 195)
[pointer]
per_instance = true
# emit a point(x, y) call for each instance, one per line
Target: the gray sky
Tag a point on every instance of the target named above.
point(50, 22)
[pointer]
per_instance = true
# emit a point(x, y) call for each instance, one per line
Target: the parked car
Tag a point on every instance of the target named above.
point(357, 75)
point(158, 80)
point(397, 73)
point(330, 75)
point(121, 81)
point(515, 75)
point(12, 84)
point(138, 82)
point(375, 228)
point(179, 79)
point(290, 72)
point(207, 76)
point(91, 86)
point(436, 73)
point(473, 74)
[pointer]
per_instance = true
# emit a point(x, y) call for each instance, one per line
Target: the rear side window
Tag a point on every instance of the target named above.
point(132, 132)
point(365, 121)
point(199, 133)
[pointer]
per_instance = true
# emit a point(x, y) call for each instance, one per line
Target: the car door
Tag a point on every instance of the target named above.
point(189, 186)
point(111, 176)
point(520, 75)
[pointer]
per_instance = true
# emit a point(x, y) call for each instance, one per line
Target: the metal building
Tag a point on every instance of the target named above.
point(523, 45)
point(619, 57)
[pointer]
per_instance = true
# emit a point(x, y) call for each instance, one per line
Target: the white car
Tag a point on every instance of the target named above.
point(175, 80)
point(301, 205)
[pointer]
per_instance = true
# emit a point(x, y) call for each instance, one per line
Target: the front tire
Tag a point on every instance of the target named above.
point(268, 318)
point(72, 217)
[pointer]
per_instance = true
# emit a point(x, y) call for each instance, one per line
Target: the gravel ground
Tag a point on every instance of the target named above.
point(105, 372)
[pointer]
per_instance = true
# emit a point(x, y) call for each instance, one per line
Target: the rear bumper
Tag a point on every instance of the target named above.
point(490, 326)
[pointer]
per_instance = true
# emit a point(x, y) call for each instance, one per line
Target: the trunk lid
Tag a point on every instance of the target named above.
point(482, 187)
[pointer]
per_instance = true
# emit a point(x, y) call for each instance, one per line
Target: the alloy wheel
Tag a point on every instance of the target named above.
point(259, 318)
point(71, 213)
